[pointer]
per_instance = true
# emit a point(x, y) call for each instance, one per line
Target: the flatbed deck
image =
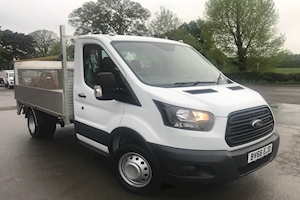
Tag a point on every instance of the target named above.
point(57, 101)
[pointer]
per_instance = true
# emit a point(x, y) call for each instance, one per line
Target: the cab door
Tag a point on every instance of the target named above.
point(94, 119)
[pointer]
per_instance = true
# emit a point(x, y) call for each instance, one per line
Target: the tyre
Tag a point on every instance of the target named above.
point(135, 170)
point(40, 124)
point(36, 124)
point(50, 126)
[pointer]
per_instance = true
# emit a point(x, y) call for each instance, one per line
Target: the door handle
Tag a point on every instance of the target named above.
point(81, 95)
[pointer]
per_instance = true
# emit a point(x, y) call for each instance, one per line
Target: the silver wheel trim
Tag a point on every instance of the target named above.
point(135, 170)
point(31, 123)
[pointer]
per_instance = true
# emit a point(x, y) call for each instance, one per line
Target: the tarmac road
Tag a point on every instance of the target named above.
point(60, 168)
point(289, 94)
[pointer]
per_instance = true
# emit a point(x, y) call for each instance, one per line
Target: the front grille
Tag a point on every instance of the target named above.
point(239, 125)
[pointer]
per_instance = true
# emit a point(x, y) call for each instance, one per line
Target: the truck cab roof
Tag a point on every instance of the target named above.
point(110, 37)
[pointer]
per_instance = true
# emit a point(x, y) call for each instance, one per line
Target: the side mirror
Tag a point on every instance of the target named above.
point(105, 87)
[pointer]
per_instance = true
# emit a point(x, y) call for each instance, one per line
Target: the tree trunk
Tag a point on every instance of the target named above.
point(242, 64)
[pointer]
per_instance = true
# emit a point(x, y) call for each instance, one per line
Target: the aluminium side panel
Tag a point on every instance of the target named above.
point(48, 95)
point(49, 101)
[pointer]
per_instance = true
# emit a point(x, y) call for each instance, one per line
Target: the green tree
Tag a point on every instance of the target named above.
point(290, 60)
point(0, 40)
point(1, 51)
point(105, 16)
point(164, 21)
point(201, 32)
point(44, 42)
point(198, 29)
point(55, 50)
point(16, 46)
point(246, 31)
point(181, 34)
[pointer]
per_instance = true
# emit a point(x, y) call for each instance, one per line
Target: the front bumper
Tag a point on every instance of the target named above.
point(181, 165)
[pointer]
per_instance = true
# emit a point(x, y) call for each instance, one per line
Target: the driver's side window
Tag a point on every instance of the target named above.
point(93, 62)
point(96, 60)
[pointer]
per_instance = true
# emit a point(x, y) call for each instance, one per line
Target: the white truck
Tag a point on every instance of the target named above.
point(157, 107)
point(9, 79)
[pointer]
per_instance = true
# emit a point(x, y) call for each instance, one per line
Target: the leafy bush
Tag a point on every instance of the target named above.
point(263, 77)
point(289, 66)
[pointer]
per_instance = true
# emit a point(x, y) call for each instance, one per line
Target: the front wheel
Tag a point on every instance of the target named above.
point(135, 170)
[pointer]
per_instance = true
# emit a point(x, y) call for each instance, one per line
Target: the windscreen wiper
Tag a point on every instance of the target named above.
point(183, 84)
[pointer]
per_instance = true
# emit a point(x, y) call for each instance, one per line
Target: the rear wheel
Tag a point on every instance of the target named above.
point(36, 125)
point(135, 169)
point(50, 126)
point(40, 124)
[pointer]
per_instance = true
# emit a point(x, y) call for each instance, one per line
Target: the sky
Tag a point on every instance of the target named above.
point(25, 16)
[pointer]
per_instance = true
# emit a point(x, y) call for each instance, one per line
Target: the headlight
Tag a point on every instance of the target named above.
point(185, 118)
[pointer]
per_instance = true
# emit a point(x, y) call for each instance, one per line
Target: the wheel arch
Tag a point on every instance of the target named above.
point(30, 109)
point(124, 135)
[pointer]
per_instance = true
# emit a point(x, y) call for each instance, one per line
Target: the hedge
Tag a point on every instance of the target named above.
point(288, 66)
point(263, 77)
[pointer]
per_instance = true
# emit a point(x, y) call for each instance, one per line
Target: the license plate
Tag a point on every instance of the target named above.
point(259, 153)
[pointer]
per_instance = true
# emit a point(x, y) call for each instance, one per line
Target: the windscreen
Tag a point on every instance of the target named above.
point(167, 65)
point(11, 75)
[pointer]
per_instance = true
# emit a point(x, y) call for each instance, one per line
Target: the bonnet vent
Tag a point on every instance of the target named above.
point(201, 91)
point(236, 88)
